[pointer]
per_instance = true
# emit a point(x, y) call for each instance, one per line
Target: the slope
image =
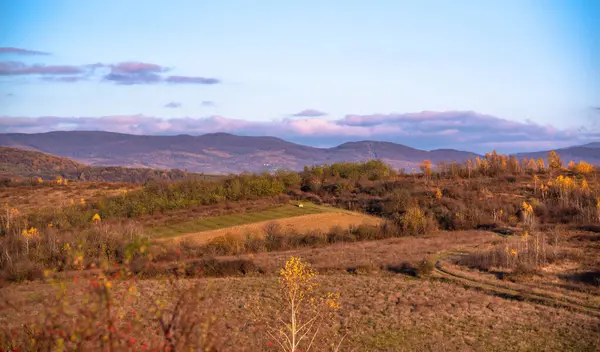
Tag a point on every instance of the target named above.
point(19, 163)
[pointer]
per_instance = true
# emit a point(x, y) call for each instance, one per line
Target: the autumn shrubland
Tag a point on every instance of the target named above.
point(492, 254)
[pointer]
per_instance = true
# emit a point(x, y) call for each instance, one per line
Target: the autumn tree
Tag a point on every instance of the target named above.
point(513, 165)
point(426, 168)
point(583, 168)
point(554, 162)
point(541, 166)
point(469, 167)
point(477, 163)
point(503, 163)
point(531, 165)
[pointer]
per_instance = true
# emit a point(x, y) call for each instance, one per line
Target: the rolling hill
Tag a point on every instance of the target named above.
point(216, 153)
point(21, 163)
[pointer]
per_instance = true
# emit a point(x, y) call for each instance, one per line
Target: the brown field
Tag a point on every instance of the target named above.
point(382, 308)
point(305, 223)
point(51, 196)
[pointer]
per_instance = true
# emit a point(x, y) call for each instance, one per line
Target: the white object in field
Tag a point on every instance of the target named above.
point(300, 205)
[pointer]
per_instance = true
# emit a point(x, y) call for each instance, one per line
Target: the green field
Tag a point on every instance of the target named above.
point(229, 220)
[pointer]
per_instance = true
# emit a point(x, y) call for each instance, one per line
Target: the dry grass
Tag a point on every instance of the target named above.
point(302, 223)
point(48, 196)
point(383, 312)
point(374, 255)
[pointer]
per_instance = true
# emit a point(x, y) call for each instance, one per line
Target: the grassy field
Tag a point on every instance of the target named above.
point(230, 220)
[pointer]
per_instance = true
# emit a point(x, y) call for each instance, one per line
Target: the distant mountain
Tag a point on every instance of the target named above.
point(588, 152)
point(215, 153)
point(19, 163)
point(592, 145)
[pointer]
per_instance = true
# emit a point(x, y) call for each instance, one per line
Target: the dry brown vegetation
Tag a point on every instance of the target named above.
point(493, 255)
point(29, 197)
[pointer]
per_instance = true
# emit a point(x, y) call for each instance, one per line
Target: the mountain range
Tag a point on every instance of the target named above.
point(221, 153)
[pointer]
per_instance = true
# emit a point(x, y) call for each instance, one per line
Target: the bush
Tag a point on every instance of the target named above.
point(413, 222)
point(425, 268)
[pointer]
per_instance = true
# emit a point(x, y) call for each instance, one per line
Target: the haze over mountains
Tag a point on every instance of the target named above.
point(220, 153)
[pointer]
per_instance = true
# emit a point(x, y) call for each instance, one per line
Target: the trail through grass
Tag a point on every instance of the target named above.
point(229, 220)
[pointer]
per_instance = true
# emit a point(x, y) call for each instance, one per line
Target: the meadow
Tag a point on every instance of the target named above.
point(495, 254)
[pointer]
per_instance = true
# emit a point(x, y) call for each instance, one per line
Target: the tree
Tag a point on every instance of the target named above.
point(503, 162)
point(531, 165)
point(426, 168)
point(514, 166)
point(303, 310)
point(469, 166)
point(554, 162)
point(583, 167)
point(541, 166)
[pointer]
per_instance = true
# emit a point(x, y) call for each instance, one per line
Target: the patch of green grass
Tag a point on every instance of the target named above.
point(229, 220)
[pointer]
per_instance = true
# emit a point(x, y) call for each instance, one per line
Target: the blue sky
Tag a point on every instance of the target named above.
point(511, 75)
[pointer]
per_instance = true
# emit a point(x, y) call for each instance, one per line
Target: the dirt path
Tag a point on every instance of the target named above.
point(544, 297)
point(314, 222)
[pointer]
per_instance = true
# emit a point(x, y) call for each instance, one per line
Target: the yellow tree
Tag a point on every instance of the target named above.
point(304, 310)
point(483, 167)
point(531, 165)
point(554, 162)
point(469, 167)
point(583, 167)
point(503, 162)
point(513, 165)
point(426, 168)
point(541, 166)
point(535, 183)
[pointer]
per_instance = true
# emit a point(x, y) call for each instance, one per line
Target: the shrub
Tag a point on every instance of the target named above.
point(425, 267)
point(413, 221)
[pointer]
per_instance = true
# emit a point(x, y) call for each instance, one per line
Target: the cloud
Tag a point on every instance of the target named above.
point(208, 103)
point(128, 73)
point(310, 113)
point(191, 80)
point(173, 105)
point(425, 130)
point(124, 73)
point(13, 68)
point(65, 79)
point(136, 67)
point(19, 51)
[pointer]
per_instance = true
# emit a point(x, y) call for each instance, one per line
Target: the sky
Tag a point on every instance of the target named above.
point(512, 75)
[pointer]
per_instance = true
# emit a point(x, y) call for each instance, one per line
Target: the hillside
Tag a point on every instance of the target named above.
point(589, 152)
point(216, 153)
point(21, 163)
